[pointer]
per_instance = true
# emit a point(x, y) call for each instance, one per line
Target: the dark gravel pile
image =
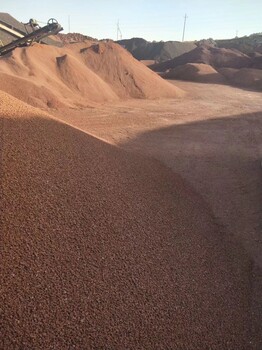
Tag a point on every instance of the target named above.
point(157, 51)
point(102, 249)
point(197, 72)
point(214, 56)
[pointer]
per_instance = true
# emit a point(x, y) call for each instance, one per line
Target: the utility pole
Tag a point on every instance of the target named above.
point(118, 31)
point(184, 30)
point(69, 24)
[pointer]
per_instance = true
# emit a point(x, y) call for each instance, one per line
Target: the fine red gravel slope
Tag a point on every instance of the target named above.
point(127, 76)
point(102, 249)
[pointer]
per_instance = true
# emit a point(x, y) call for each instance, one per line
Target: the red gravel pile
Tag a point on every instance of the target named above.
point(102, 249)
point(126, 75)
point(216, 57)
point(246, 77)
point(228, 73)
point(77, 75)
point(257, 60)
point(198, 72)
point(249, 78)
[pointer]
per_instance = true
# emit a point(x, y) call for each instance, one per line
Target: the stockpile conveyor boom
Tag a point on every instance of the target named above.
point(52, 28)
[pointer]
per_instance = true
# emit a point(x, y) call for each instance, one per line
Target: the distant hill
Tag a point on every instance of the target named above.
point(157, 51)
point(246, 44)
point(162, 51)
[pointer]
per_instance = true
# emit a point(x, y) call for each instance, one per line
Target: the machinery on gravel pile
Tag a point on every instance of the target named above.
point(36, 35)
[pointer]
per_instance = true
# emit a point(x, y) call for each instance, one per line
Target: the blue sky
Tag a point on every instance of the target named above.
point(152, 20)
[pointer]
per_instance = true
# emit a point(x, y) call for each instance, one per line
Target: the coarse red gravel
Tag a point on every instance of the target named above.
point(102, 249)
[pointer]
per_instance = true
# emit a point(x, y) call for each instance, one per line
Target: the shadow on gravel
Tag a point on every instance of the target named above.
point(221, 158)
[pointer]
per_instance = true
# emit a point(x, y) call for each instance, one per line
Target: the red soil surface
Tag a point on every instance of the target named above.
point(79, 75)
point(198, 72)
point(213, 56)
point(103, 249)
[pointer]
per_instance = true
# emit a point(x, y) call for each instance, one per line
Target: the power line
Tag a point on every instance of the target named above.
point(184, 29)
point(118, 31)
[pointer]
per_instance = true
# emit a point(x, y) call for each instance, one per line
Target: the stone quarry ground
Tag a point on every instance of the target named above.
point(213, 139)
point(108, 249)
